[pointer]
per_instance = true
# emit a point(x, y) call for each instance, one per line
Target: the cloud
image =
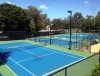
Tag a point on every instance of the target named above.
point(86, 2)
point(43, 6)
point(9, 2)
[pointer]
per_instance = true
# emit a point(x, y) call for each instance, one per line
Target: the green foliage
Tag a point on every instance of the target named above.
point(96, 70)
point(59, 24)
point(97, 21)
point(13, 17)
point(45, 21)
point(56, 24)
point(78, 19)
point(37, 20)
point(92, 23)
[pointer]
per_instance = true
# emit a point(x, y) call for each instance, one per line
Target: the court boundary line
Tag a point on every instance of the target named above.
point(22, 66)
point(39, 47)
point(46, 74)
point(14, 43)
point(17, 46)
point(9, 68)
point(42, 48)
point(36, 57)
point(61, 52)
point(31, 53)
point(58, 51)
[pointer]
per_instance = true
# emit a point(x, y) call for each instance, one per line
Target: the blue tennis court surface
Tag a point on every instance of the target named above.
point(79, 36)
point(63, 39)
point(26, 59)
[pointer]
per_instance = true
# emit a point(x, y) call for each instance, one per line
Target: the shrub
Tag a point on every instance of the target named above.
point(96, 70)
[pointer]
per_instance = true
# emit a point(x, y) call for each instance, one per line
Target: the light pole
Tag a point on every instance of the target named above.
point(70, 42)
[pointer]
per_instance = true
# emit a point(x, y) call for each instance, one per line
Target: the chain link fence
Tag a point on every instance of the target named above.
point(79, 41)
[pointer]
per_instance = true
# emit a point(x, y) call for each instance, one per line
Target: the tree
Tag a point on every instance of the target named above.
point(59, 24)
point(56, 24)
point(2, 26)
point(36, 21)
point(46, 21)
point(89, 23)
point(78, 20)
point(14, 17)
point(97, 21)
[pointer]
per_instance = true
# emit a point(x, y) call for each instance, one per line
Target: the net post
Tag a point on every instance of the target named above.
point(39, 39)
point(35, 39)
point(45, 42)
point(50, 39)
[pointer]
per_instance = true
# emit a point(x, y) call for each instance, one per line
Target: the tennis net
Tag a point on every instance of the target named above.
point(18, 48)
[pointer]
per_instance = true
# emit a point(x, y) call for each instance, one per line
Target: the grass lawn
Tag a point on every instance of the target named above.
point(5, 71)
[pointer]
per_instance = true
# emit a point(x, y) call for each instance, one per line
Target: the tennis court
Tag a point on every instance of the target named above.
point(25, 59)
point(63, 39)
point(54, 41)
point(79, 36)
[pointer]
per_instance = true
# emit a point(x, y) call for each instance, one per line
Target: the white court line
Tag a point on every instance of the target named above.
point(47, 74)
point(22, 66)
point(9, 68)
point(51, 50)
point(32, 53)
point(36, 57)
point(16, 47)
point(19, 46)
point(61, 52)
point(25, 60)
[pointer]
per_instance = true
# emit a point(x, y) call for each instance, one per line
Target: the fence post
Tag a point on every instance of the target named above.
point(65, 71)
point(99, 56)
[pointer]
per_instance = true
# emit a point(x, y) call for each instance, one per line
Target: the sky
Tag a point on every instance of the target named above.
point(59, 8)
